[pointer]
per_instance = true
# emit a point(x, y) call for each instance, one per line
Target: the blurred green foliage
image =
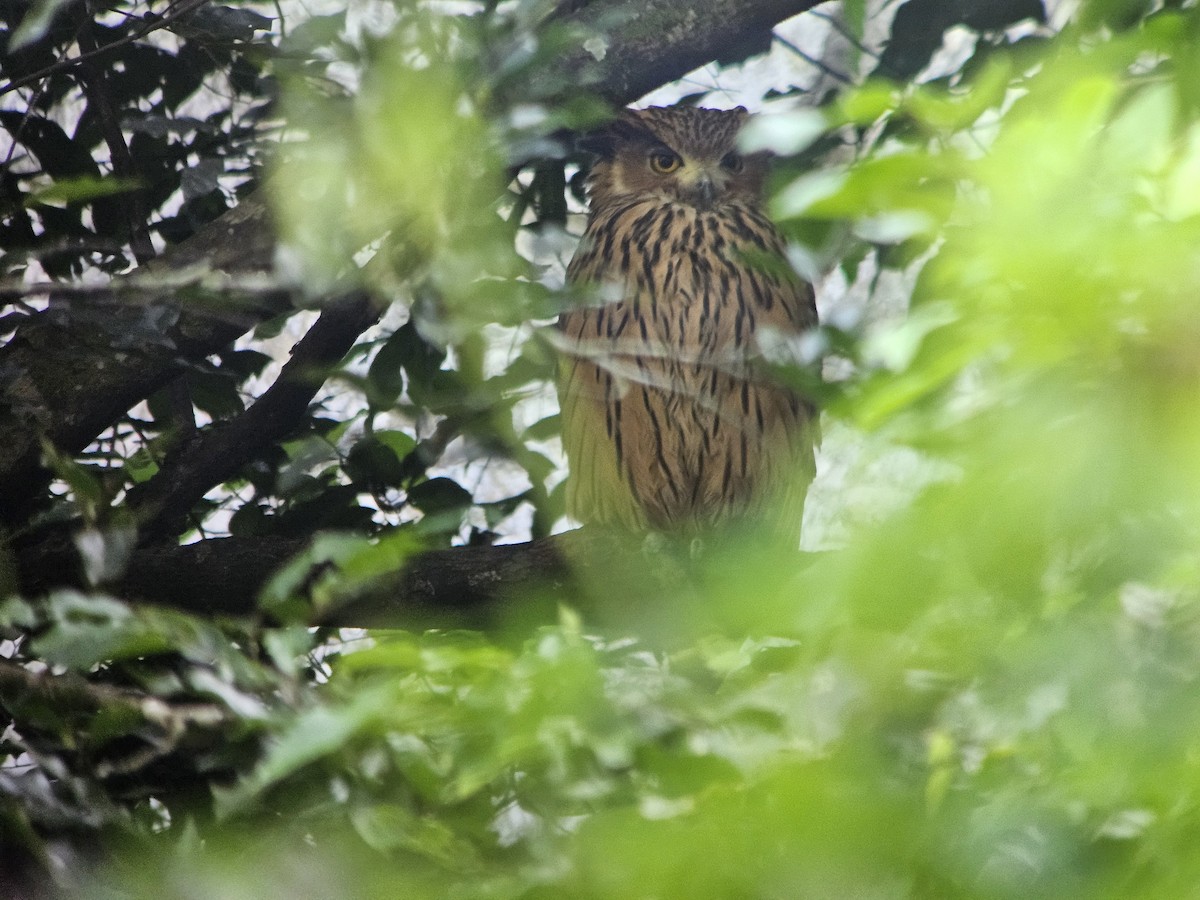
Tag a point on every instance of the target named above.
point(988, 692)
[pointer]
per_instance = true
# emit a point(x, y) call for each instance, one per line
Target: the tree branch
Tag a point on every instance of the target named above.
point(183, 9)
point(131, 207)
point(68, 385)
point(70, 693)
point(454, 587)
point(655, 42)
point(591, 570)
point(161, 505)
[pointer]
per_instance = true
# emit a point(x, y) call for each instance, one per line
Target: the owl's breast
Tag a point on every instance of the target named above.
point(659, 390)
point(695, 279)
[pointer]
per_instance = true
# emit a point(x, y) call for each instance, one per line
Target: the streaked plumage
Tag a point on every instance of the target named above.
point(668, 422)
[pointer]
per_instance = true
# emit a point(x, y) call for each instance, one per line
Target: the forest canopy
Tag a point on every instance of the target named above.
point(290, 606)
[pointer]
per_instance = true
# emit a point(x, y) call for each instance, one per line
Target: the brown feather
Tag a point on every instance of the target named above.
point(667, 421)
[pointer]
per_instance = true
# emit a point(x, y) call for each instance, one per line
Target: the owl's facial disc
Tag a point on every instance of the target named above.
point(700, 182)
point(697, 182)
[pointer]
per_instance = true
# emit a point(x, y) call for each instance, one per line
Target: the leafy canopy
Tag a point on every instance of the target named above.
point(984, 688)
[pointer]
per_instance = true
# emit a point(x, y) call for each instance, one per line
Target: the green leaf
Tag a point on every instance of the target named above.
point(81, 190)
point(332, 569)
point(386, 371)
point(373, 464)
point(87, 630)
point(141, 465)
point(544, 429)
point(401, 443)
point(392, 826)
point(314, 734)
point(281, 592)
point(439, 495)
point(88, 491)
point(36, 23)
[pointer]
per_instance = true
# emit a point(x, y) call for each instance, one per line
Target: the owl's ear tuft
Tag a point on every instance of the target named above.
point(625, 129)
point(599, 142)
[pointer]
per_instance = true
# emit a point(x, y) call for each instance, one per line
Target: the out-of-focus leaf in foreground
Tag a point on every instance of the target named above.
point(988, 692)
point(409, 173)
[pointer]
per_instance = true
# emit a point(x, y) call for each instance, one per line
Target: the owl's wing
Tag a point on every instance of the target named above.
point(587, 388)
point(777, 430)
point(786, 424)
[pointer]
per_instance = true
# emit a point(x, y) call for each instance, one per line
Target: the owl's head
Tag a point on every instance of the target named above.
point(675, 153)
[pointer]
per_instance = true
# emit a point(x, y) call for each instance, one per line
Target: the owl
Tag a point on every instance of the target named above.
point(670, 421)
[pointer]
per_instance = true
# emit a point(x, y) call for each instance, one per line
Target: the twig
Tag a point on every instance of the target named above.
point(243, 284)
point(840, 27)
point(95, 87)
point(184, 8)
point(813, 61)
point(72, 692)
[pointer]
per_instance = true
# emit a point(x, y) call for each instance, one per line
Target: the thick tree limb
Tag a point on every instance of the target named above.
point(595, 572)
point(455, 587)
point(67, 385)
point(650, 43)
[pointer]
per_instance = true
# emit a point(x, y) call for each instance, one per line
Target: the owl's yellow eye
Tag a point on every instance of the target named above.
point(664, 162)
point(732, 162)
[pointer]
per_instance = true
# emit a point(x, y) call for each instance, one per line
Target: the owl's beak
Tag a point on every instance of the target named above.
point(705, 191)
